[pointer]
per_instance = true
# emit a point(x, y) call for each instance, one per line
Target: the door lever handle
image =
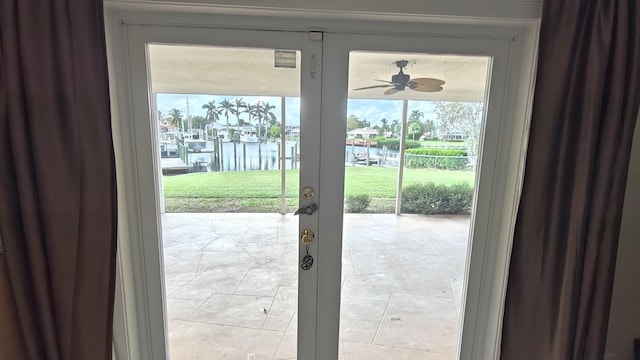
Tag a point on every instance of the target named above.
point(307, 209)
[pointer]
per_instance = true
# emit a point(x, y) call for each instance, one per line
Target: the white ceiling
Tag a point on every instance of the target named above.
point(251, 72)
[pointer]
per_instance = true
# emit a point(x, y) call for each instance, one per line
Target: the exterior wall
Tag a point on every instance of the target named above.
point(624, 320)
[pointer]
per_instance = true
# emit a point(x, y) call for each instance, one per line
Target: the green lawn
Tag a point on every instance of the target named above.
point(260, 190)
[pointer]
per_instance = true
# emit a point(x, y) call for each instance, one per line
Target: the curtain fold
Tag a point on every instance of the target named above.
point(584, 112)
point(57, 176)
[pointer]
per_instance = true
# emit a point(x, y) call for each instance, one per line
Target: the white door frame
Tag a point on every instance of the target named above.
point(135, 327)
point(487, 196)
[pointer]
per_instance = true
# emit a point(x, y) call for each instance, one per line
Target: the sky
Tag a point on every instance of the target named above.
point(371, 110)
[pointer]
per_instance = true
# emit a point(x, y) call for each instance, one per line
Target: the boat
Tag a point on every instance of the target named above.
point(168, 145)
point(224, 136)
point(193, 142)
point(249, 135)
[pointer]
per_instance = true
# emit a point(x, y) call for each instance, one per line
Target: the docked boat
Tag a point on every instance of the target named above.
point(194, 142)
point(224, 136)
point(249, 136)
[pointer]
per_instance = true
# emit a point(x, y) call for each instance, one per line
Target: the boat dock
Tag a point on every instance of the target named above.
point(173, 166)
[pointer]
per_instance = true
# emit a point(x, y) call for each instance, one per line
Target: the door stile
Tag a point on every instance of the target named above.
point(333, 135)
point(310, 120)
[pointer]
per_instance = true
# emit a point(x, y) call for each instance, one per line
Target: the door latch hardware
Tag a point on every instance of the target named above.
point(307, 236)
point(308, 193)
point(307, 209)
point(307, 262)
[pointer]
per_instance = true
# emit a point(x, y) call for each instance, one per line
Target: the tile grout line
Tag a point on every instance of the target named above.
point(284, 333)
point(270, 306)
point(381, 320)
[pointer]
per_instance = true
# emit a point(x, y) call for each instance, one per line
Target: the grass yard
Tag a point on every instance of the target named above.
point(259, 191)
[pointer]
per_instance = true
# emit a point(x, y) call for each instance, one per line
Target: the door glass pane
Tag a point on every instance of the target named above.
point(403, 276)
point(230, 257)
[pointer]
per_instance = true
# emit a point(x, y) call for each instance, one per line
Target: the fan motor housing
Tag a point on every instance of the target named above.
point(400, 80)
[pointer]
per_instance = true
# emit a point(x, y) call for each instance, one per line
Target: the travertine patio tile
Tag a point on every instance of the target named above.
point(275, 255)
point(208, 283)
point(371, 261)
point(283, 308)
point(238, 310)
point(372, 284)
point(179, 309)
point(424, 278)
point(194, 340)
point(222, 243)
point(359, 351)
point(401, 295)
point(239, 261)
point(185, 250)
point(265, 281)
point(410, 252)
point(367, 307)
point(179, 274)
point(417, 322)
point(457, 292)
point(358, 330)
point(287, 349)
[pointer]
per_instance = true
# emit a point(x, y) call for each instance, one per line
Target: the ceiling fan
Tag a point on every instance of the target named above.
point(400, 81)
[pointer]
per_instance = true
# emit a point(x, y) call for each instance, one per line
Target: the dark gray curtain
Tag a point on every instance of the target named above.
point(57, 176)
point(585, 108)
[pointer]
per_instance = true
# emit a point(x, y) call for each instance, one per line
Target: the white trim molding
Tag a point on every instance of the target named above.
point(134, 327)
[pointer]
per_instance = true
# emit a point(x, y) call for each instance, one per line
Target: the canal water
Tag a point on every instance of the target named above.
point(263, 156)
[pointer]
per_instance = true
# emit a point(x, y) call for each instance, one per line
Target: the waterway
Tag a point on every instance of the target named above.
point(263, 156)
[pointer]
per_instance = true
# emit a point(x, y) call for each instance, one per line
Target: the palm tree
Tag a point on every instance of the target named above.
point(414, 129)
point(225, 108)
point(416, 114)
point(395, 125)
point(212, 114)
point(385, 125)
point(267, 115)
point(175, 118)
point(255, 112)
point(239, 104)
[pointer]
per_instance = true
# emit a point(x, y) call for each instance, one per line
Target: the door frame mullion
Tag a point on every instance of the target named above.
point(333, 136)
point(310, 120)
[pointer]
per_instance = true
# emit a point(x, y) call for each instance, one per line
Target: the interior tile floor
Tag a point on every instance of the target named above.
point(231, 285)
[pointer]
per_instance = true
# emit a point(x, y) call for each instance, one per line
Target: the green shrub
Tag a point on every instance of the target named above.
point(357, 203)
point(437, 152)
point(394, 143)
point(431, 199)
point(444, 159)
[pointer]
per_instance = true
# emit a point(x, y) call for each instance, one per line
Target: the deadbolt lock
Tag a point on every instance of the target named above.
point(307, 236)
point(308, 193)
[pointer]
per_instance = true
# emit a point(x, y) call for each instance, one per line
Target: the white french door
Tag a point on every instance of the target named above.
point(322, 65)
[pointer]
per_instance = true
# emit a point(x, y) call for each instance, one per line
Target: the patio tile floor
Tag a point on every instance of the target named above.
point(231, 285)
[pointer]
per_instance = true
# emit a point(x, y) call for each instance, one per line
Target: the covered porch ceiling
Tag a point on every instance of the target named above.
point(185, 69)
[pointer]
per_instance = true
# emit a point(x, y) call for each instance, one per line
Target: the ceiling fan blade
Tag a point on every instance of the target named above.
point(389, 82)
point(391, 91)
point(431, 88)
point(373, 87)
point(426, 84)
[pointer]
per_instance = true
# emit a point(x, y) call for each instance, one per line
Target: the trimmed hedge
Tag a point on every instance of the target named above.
point(358, 203)
point(444, 159)
point(394, 143)
point(431, 199)
point(436, 152)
